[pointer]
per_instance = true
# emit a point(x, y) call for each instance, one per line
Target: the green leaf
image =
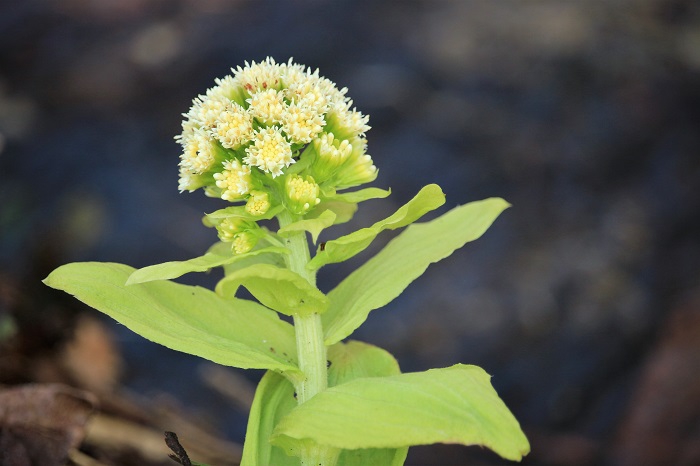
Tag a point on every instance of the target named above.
point(239, 211)
point(378, 456)
point(341, 249)
point(312, 225)
point(362, 195)
point(451, 405)
point(190, 319)
point(277, 288)
point(274, 398)
point(216, 256)
point(355, 359)
point(343, 211)
point(405, 258)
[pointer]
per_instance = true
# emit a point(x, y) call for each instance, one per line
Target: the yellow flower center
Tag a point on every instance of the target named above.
point(302, 123)
point(242, 243)
point(197, 155)
point(303, 193)
point(258, 203)
point(234, 181)
point(267, 106)
point(234, 127)
point(270, 151)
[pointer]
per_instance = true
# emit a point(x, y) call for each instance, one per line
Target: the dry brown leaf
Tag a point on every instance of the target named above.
point(39, 424)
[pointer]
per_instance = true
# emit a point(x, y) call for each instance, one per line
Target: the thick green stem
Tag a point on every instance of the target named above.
point(311, 351)
point(312, 356)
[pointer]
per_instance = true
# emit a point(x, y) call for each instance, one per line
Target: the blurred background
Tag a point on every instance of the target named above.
point(582, 300)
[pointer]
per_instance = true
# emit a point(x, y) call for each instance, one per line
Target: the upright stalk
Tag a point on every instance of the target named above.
point(311, 350)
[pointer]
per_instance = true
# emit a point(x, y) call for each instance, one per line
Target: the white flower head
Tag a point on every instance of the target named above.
point(270, 152)
point(302, 123)
point(225, 87)
point(188, 128)
point(234, 180)
point(197, 152)
point(348, 123)
point(261, 117)
point(233, 127)
point(189, 181)
point(267, 106)
point(308, 90)
point(259, 76)
point(206, 109)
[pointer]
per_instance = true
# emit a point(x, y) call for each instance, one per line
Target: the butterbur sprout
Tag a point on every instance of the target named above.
point(279, 141)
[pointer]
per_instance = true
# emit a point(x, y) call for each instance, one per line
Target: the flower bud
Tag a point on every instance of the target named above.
point(258, 203)
point(302, 193)
point(239, 232)
point(234, 180)
point(346, 123)
point(243, 242)
point(331, 154)
point(358, 169)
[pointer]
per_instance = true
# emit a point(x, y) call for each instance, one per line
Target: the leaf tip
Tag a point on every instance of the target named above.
point(50, 279)
point(505, 204)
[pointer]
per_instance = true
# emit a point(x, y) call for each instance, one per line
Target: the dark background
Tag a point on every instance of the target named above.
point(583, 299)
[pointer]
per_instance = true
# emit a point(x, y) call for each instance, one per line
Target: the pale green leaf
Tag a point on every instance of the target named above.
point(355, 359)
point(405, 258)
point(451, 405)
point(362, 195)
point(216, 256)
point(373, 456)
point(277, 288)
point(274, 398)
point(239, 211)
point(312, 225)
point(190, 319)
point(343, 211)
point(338, 250)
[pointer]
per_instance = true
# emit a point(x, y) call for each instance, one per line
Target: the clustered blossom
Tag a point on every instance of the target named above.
point(241, 137)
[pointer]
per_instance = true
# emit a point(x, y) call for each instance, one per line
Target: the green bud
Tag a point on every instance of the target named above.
point(302, 193)
point(229, 227)
point(358, 168)
point(331, 154)
point(258, 203)
point(243, 242)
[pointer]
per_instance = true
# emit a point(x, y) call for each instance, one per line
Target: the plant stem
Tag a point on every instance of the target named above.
point(312, 356)
point(311, 350)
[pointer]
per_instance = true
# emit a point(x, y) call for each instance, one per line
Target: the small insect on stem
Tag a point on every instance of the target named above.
point(322, 246)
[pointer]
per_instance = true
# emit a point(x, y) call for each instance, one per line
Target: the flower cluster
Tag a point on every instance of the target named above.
point(241, 137)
